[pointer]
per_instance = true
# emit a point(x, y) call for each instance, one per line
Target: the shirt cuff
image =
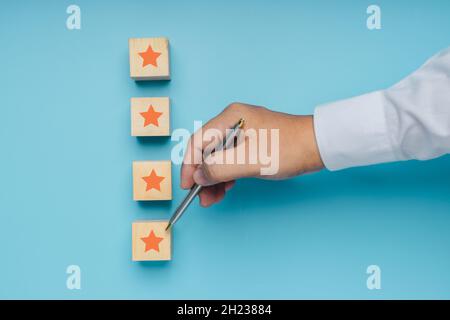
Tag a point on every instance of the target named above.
point(353, 132)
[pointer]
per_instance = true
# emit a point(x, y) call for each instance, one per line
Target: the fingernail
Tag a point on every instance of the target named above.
point(200, 178)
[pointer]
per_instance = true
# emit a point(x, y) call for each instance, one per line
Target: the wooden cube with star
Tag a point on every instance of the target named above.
point(149, 58)
point(152, 180)
point(150, 117)
point(151, 241)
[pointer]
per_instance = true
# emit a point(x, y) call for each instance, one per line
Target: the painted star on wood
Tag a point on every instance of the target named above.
point(149, 57)
point(152, 242)
point(153, 181)
point(151, 116)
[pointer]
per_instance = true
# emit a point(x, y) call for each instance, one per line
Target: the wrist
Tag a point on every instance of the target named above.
point(311, 158)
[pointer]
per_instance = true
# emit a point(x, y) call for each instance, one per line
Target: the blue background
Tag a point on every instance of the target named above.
point(66, 152)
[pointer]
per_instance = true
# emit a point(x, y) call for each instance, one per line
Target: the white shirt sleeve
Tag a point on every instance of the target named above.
point(410, 120)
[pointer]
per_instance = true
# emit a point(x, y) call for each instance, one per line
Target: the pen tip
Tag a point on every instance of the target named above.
point(168, 226)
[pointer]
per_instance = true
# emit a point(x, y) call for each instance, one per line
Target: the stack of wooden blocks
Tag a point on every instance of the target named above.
point(150, 116)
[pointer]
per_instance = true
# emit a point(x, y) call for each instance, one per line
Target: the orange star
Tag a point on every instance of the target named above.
point(153, 181)
point(152, 242)
point(149, 57)
point(151, 116)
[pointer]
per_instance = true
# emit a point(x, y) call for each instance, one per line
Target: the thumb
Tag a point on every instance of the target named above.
point(222, 166)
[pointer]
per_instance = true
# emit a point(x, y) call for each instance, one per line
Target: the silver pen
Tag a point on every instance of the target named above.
point(195, 190)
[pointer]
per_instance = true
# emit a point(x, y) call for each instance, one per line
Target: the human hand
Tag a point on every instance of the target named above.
point(290, 147)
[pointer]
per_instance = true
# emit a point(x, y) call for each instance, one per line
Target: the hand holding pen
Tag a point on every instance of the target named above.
point(227, 142)
point(295, 144)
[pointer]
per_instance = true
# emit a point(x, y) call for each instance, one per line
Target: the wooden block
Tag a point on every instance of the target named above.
point(150, 117)
point(152, 180)
point(150, 241)
point(149, 58)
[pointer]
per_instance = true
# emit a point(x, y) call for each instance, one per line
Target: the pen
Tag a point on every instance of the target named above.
point(196, 188)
